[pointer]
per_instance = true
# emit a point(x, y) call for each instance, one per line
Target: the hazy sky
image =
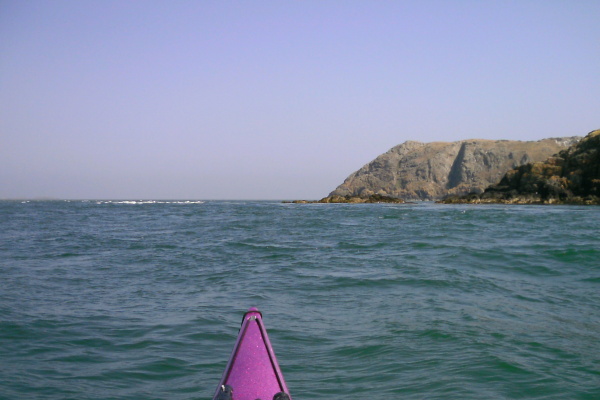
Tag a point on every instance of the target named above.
point(275, 99)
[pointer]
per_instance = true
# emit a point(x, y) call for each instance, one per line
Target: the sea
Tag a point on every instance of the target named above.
point(144, 299)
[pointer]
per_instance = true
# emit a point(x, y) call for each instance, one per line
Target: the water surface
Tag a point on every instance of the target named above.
point(143, 300)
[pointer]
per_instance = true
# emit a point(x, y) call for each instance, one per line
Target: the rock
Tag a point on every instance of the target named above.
point(376, 198)
point(432, 171)
point(570, 177)
point(373, 198)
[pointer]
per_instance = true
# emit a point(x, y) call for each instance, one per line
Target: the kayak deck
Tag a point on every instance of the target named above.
point(252, 371)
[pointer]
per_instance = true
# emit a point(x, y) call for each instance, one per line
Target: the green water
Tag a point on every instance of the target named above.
point(141, 300)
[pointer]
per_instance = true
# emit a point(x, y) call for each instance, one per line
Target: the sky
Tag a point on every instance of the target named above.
point(275, 99)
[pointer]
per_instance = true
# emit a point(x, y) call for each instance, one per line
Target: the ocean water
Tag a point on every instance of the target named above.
point(143, 300)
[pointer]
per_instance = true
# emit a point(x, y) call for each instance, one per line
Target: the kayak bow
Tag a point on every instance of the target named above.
point(252, 372)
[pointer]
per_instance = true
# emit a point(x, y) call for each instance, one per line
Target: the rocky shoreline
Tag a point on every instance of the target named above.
point(515, 198)
point(376, 198)
point(570, 177)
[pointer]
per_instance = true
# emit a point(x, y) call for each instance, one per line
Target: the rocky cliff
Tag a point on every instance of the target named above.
point(432, 171)
point(570, 177)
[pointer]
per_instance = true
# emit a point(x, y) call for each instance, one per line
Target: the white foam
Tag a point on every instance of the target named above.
point(135, 202)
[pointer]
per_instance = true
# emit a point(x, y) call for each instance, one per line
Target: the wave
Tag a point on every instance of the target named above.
point(149, 202)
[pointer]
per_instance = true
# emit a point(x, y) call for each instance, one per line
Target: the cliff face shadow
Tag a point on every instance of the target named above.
point(456, 176)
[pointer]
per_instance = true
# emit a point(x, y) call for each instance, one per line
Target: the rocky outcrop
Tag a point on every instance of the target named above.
point(432, 171)
point(570, 177)
point(376, 198)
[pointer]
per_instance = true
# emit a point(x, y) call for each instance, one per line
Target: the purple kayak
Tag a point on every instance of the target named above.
point(252, 371)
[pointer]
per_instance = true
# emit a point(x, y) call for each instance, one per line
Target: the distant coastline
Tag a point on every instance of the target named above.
point(570, 176)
